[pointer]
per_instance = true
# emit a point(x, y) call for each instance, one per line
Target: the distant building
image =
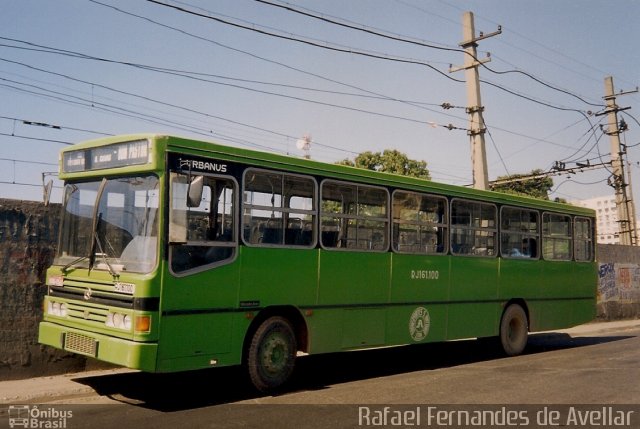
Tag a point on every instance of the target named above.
point(606, 217)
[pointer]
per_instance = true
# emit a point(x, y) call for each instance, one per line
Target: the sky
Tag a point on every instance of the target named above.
point(252, 74)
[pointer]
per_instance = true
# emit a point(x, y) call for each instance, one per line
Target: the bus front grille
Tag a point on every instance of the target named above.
point(82, 344)
point(88, 313)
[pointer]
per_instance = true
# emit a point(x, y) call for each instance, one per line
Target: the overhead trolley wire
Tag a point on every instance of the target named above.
point(417, 43)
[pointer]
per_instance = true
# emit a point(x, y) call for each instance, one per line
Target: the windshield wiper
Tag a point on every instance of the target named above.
point(95, 226)
point(96, 242)
point(72, 263)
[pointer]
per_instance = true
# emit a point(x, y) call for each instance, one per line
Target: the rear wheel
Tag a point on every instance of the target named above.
point(514, 330)
point(272, 353)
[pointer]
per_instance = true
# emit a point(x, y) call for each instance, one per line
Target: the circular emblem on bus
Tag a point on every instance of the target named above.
point(419, 324)
point(87, 294)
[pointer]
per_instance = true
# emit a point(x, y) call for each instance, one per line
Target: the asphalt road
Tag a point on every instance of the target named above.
point(597, 364)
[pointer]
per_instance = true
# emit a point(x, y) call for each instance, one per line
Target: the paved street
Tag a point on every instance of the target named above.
point(592, 364)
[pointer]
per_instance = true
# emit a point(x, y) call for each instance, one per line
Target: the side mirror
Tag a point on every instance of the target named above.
point(194, 191)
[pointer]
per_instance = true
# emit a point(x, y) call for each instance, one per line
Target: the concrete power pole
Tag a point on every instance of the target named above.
point(624, 204)
point(475, 108)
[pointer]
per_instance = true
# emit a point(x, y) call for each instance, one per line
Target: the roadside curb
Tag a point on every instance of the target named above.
point(42, 390)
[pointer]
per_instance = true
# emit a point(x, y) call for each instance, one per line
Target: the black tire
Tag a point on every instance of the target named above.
point(514, 330)
point(271, 354)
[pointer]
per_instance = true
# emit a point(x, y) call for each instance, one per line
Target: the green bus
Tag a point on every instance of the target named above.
point(178, 255)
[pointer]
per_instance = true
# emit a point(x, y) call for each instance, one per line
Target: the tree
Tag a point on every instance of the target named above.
point(389, 161)
point(537, 188)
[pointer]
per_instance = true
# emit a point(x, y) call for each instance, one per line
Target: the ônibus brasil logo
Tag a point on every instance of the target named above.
point(31, 416)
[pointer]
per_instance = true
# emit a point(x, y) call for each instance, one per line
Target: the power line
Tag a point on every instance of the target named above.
point(22, 161)
point(362, 28)
point(151, 68)
point(36, 138)
point(414, 42)
point(58, 127)
point(26, 184)
point(528, 39)
point(250, 54)
point(240, 123)
point(306, 42)
point(195, 76)
point(285, 65)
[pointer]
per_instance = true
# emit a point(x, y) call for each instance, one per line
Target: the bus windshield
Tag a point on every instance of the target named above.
point(110, 226)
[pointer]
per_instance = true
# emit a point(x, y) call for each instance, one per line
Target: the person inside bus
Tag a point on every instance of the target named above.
point(528, 250)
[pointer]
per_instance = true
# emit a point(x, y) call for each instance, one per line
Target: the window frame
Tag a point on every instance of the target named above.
point(233, 244)
point(495, 230)
point(548, 237)
point(590, 240)
point(444, 226)
point(524, 235)
point(357, 217)
point(313, 212)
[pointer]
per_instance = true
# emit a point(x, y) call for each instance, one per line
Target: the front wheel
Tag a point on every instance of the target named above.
point(514, 330)
point(272, 353)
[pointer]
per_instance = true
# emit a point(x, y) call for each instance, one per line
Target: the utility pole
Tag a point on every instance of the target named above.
point(475, 108)
point(626, 210)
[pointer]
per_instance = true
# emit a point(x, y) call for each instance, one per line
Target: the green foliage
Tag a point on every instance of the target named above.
point(389, 161)
point(537, 188)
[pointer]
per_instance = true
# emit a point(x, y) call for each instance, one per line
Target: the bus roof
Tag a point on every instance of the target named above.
point(334, 171)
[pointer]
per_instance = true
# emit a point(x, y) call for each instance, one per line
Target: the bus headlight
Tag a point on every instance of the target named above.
point(118, 320)
point(55, 308)
point(127, 322)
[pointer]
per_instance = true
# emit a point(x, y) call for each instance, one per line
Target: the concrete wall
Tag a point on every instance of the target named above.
point(618, 282)
point(28, 237)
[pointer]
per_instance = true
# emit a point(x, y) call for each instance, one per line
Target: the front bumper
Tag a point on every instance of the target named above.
point(130, 354)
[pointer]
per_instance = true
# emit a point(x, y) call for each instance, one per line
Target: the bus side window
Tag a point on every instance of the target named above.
point(279, 209)
point(583, 239)
point(473, 228)
point(557, 237)
point(519, 232)
point(354, 217)
point(419, 223)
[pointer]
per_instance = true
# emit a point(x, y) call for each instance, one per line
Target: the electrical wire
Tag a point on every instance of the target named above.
point(243, 52)
point(36, 139)
point(60, 127)
point(317, 102)
point(306, 42)
point(284, 65)
point(413, 42)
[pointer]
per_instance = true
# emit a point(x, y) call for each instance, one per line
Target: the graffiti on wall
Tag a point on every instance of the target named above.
point(619, 282)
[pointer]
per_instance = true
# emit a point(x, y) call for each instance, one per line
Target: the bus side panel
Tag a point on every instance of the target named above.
point(566, 298)
point(197, 318)
point(325, 330)
point(354, 278)
point(586, 277)
point(474, 310)
point(358, 284)
point(520, 278)
point(277, 276)
point(418, 281)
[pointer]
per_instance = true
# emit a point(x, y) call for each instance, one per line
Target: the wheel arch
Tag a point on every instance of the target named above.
point(291, 313)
